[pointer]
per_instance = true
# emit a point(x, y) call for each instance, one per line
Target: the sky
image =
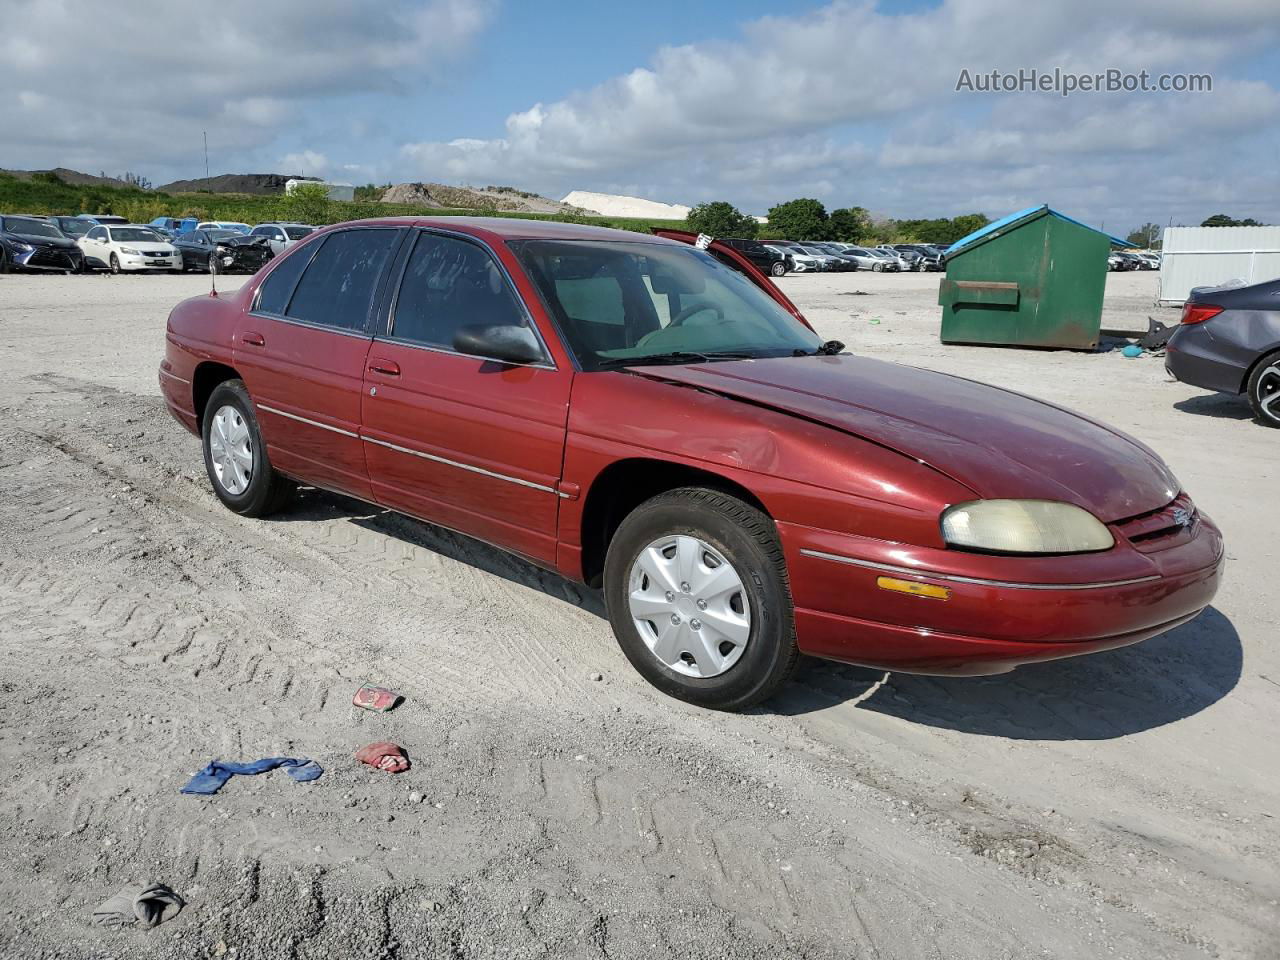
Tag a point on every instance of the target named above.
point(853, 102)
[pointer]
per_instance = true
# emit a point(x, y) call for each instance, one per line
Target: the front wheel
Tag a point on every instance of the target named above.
point(1264, 390)
point(114, 264)
point(697, 593)
point(235, 456)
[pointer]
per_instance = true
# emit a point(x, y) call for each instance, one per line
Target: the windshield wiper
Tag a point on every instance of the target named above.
point(675, 356)
point(828, 349)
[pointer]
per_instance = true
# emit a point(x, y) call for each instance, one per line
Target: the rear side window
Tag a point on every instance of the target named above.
point(338, 286)
point(276, 290)
point(449, 283)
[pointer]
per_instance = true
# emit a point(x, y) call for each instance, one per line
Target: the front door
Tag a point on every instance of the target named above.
point(302, 349)
point(469, 443)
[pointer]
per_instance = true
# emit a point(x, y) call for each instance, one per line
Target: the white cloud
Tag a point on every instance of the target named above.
point(130, 85)
point(831, 103)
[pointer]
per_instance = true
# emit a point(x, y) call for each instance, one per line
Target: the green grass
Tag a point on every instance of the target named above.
point(45, 196)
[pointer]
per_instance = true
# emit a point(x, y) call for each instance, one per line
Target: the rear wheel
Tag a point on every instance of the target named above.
point(778, 269)
point(697, 593)
point(1264, 390)
point(235, 456)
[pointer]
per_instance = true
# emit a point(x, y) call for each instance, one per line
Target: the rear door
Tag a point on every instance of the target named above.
point(301, 350)
point(469, 443)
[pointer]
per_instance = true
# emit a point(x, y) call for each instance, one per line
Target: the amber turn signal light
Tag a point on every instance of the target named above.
point(913, 588)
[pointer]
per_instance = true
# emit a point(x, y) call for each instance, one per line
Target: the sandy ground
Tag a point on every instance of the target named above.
point(1123, 805)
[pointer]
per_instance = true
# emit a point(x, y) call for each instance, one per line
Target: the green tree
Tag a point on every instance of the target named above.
point(1147, 236)
point(1222, 220)
point(803, 219)
point(720, 219)
point(850, 224)
point(308, 203)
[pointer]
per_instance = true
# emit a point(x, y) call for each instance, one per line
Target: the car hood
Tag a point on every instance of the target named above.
point(995, 442)
point(37, 241)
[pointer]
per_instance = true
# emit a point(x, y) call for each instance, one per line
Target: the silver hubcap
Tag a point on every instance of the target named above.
point(230, 450)
point(1269, 391)
point(689, 606)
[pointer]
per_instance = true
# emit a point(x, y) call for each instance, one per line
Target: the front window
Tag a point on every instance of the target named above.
point(134, 235)
point(621, 302)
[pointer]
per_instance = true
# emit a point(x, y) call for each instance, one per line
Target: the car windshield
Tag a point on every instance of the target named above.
point(221, 234)
point(297, 233)
point(74, 228)
point(30, 228)
point(135, 234)
point(620, 301)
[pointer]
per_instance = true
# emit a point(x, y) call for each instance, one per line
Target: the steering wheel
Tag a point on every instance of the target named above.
point(679, 319)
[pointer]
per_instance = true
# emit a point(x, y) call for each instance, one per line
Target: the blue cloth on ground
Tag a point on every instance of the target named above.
point(212, 778)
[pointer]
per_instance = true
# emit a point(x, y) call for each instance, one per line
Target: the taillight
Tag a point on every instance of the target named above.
point(1199, 312)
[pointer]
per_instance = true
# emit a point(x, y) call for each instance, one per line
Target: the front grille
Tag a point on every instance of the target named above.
point(1158, 529)
point(51, 257)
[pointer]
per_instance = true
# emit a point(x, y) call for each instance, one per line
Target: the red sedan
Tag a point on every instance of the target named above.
point(658, 419)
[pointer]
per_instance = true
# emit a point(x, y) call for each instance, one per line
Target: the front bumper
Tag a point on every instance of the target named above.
point(148, 262)
point(1001, 611)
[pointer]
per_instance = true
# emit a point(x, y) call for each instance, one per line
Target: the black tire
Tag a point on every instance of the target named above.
point(747, 539)
point(779, 269)
point(1264, 385)
point(267, 491)
point(114, 265)
point(4, 260)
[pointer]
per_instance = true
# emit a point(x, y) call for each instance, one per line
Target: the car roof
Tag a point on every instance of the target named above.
point(512, 228)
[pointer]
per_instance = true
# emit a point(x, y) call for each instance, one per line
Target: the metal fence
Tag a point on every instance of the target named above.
point(1209, 256)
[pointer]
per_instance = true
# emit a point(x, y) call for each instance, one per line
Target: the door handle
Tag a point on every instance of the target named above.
point(253, 340)
point(388, 368)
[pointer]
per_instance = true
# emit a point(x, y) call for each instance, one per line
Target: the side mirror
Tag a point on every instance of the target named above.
point(506, 344)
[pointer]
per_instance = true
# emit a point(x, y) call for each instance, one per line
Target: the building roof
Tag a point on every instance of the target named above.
point(1030, 213)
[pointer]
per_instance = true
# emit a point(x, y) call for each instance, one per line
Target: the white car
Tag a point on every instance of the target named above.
point(282, 236)
point(235, 225)
point(866, 259)
point(129, 247)
point(801, 262)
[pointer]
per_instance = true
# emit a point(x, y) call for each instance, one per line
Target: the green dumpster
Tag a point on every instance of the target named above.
point(1032, 279)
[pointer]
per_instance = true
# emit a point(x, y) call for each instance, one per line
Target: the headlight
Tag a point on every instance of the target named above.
point(1024, 526)
point(22, 247)
point(130, 252)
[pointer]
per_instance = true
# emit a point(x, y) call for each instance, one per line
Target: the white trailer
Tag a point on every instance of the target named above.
point(1211, 256)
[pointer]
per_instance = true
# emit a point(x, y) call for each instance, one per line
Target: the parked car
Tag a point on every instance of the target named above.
point(796, 259)
point(222, 251)
point(30, 244)
point(233, 225)
point(129, 249)
point(73, 228)
point(281, 236)
point(103, 218)
point(1229, 341)
point(174, 225)
point(636, 413)
point(829, 261)
point(847, 263)
point(1118, 263)
point(920, 256)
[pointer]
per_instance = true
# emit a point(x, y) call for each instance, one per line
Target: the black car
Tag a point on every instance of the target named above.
point(27, 243)
point(1229, 341)
point(222, 251)
point(762, 258)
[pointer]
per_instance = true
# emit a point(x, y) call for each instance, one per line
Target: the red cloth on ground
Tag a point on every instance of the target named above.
point(384, 755)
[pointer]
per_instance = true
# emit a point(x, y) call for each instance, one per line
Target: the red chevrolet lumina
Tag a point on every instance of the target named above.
point(643, 414)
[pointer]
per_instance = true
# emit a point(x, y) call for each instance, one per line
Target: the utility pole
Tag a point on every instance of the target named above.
point(206, 153)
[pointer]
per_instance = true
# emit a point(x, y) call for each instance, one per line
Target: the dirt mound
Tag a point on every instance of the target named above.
point(258, 184)
point(74, 177)
point(475, 198)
